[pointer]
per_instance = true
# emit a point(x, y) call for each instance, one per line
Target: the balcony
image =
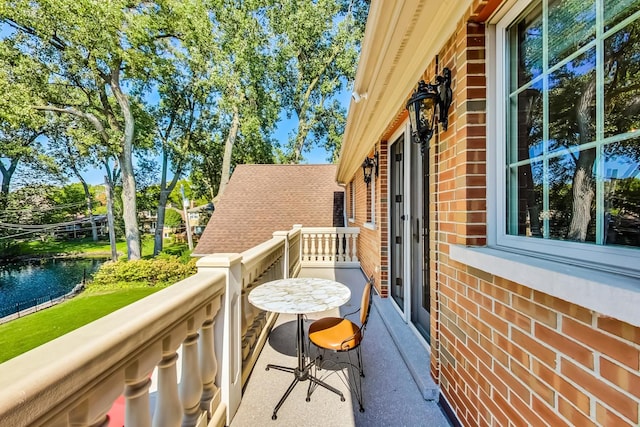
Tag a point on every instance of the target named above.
point(194, 354)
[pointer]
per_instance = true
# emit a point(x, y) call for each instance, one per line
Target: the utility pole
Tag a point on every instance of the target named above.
point(185, 206)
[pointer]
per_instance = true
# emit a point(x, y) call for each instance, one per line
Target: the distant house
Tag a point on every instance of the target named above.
point(148, 221)
point(262, 198)
point(199, 216)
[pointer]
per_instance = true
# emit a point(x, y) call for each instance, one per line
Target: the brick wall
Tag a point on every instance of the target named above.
point(369, 250)
point(502, 353)
point(509, 354)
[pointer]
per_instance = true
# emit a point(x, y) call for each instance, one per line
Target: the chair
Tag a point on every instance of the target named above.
point(340, 334)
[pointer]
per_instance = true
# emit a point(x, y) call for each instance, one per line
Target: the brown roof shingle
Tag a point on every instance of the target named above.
point(261, 199)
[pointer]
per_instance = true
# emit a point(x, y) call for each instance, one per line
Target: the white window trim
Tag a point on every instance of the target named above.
point(606, 294)
point(352, 201)
point(372, 188)
point(603, 289)
point(586, 253)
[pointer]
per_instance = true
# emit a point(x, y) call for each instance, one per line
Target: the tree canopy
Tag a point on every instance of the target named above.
point(156, 91)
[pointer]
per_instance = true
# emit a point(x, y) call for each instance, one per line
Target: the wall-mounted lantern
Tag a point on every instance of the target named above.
point(427, 100)
point(369, 166)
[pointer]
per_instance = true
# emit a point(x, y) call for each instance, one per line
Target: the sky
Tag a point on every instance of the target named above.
point(318, 155)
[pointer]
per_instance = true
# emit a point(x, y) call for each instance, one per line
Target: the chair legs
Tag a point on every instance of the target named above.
point(355, 377)
point(355, 374)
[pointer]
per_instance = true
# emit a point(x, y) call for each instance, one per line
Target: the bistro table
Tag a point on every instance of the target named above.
point(299, 296)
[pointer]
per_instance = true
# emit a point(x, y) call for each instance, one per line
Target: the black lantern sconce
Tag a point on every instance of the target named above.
point(369, 166)
point(422, 106)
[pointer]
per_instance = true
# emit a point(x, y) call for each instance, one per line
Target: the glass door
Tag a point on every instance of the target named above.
point(420, 303)
point(396, 237)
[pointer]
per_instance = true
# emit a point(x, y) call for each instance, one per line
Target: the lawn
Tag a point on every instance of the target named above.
point(85, 246)
point(21, 335)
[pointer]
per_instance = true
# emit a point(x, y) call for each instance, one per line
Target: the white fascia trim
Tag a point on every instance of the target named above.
point(605, 293)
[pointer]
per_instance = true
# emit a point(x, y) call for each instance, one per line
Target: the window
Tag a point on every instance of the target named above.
point(569, 146)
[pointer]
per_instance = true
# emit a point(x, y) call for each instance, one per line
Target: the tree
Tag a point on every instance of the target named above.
point(317, 44)
point(70, 144)
point(173, 218)
point(93, 55)
point(242, 71)
point(184, 118)
point(21, 128)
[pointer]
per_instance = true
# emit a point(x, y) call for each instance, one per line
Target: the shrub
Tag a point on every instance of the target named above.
point(157, 272)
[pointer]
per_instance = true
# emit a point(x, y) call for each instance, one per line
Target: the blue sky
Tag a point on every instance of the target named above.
point(318, 155)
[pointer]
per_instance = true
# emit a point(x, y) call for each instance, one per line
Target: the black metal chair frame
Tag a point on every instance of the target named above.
point(353, 368)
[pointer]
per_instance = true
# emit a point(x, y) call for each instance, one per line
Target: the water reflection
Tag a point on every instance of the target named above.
point(21, 283)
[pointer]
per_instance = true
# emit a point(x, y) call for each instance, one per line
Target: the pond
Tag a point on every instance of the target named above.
point(23, 285)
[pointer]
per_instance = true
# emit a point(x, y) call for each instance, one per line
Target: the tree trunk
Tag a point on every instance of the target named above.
point(583, 180)
point(162, 203)
point(301, 136)
point(110, 222)
point(125, 158)
point(7, 173)
point(583, 194)
point(225, 174)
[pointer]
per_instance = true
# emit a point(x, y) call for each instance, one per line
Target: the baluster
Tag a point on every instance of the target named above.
point(341, 248)
point(334, 256)
point(305, 250)
point(191, 384)
point(247, 315)
point(137, 410)
point(327, 251)
point(313, 256)
point(168, 408)
point(207, 357)
point(250, 334)
point(354, 247)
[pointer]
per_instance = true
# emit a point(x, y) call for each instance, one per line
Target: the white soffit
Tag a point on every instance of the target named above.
point(401, 39)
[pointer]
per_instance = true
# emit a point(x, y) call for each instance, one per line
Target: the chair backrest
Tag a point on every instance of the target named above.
point(365, 305)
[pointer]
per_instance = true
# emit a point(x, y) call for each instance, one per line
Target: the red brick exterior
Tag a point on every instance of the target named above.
point(503, 354)
point(372, 258)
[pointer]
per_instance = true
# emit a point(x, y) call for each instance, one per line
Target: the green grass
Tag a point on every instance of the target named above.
point(22, 335)
point(84, 246)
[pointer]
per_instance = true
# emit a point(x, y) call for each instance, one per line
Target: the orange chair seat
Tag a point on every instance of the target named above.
point(331, 333)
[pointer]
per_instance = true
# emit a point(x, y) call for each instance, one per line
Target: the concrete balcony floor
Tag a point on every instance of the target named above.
point(392, 397)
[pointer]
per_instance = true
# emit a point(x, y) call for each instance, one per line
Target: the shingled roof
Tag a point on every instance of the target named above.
point(261, 199)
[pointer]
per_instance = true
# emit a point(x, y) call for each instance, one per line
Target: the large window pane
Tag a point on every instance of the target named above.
point(526, 49)
point(528, 215)
point(526, 109)
point(572, 188)
point(622, 81)
point(573, 124)
point(572, 102)
point(616, 11)
point(622, 193)
point(571, 26)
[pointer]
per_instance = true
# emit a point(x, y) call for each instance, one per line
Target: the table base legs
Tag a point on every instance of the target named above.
point(300, 375)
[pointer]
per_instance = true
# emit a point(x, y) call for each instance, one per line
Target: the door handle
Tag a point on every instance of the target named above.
point(416, 234)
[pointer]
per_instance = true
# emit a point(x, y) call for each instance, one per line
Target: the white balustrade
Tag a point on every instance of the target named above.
point(117, 354)
point(169, 409)
point(329, 246)
point(74, 380)
point(208, 363)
